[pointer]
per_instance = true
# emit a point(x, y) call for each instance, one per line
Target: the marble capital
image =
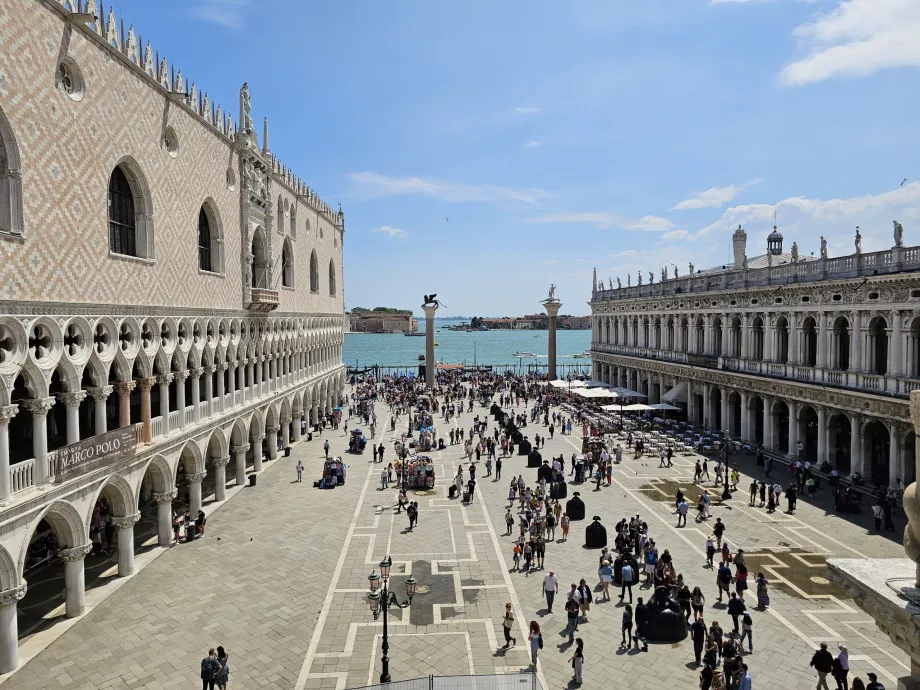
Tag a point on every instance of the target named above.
point(101, 393)
point(239, 449)
point(77, 553)
point(196, 478)
point(72, 399)
point(273, 429)
point(125, 387)
point(7, 412)
point(11, 596)
point(220, 462)
point(209, 369)
point(223, 366)
point(38, 406)
point(258, 439)
point(145, 383)
point(165, 379)
point(126, 521)
point(165, 496)
point(196, 372)
point(182, 375)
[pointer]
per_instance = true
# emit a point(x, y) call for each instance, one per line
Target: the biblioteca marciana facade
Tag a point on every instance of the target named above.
point(170, 297)
point(779, 349)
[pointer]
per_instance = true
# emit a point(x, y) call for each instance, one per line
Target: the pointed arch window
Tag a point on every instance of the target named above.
point(205, 260)
point(331, 278)
point(10, 181)
point(287, 265)
point(314, 273)
point(122, 222)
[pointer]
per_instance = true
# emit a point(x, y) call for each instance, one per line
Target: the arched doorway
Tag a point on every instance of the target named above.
point(810, 342)
point(781, 335)
point(756, 346)
point(877, 448)
point(840, 347)
point(878, 345)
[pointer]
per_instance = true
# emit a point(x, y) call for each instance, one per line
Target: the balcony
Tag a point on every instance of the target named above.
point(263, 300)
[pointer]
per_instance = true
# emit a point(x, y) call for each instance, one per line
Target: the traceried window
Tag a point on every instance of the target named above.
point(314, 273)
point(331, 278)
point(287, 265)
point(205, 260)
point(122, 221)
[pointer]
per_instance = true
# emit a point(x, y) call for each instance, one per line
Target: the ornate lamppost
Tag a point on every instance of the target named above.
point(381, 600)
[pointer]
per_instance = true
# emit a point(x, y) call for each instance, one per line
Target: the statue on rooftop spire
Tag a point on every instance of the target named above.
point(619, 284)
point(675, 271)
point(898, 235)
point(664, 273)
point(795, 252)
point(640, 278)
point(691, 268)
point(858, 241)
point(823, 247)
point(629, 280)
point(245, 110)
point(651, 277)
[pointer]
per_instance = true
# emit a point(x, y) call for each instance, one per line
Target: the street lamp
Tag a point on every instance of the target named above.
point(381, 600)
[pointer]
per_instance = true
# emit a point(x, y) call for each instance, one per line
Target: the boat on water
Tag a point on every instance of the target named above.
point(582, 355)
point(417, 334)
point(421, 358)
point(523, 354)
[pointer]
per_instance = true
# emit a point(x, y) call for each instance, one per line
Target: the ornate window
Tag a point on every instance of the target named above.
point(287, 265)
point(10, 181)
point(293, 222)
point(314, 273)
point(331, 278)
point(122, 226)
point(204, 242)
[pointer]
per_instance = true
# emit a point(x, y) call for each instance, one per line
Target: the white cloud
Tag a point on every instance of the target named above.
point(225, 13)
point(804, 220)
point(626, 252)
point(550, 262)
point(391, 232)
point(531, 144)
point(714, 197)
point(527, 111)
point(675, 235)
point(650, 224)
point(856, 39)
point(371, 185)
point(602, 220)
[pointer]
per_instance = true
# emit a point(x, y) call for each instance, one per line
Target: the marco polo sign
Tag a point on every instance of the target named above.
point(93, 453)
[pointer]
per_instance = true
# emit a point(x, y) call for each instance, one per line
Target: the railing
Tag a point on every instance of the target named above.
point(156, 426)
point(202, 409)
point(777, 369)
point(228, 401)
point(805, 373)
point(263, 300)
point(835, 378)
point(174, 420)
point(911, 386)
point(873, 382)
point(190, 415)
point(22, 475)
point(752, 366)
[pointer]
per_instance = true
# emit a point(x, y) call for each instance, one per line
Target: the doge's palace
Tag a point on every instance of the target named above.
point(170, 295)
point(779, 350)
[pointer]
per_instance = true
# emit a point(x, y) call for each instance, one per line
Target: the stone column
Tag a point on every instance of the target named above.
point(272, 373)
point(74, 585)
point(231, 366)
point(100, 396)
point(209, 387)
point(220, 474)
point(745, 337)
point(745, 417)
point(241, 379)
point(39, 408)
point(72, 405)
point(164, 503)
point(726, 338)
point(768, 338)
point(7, 412)
point(9, 628)
point(180, 395)
point(767, 422)
point(285, 432)
point(124, 388)
point(257, 453)
point(145, 384)
point(823, 345)
point(894, 456)
point(125, 527)
point(194, 491)
point(894, 346)
point(250, 376)
point(164, 380)
point(822, 434)
point(266, 382)
point(273, 442)
point(793, 428)
point(196, 394)
point(431, 363)
point(221, 391)
point(239, 454)
point(856, 363)
point(857, 462)
point(726, 411)
point(691, 407)
point(707, 334)
point(298, 416)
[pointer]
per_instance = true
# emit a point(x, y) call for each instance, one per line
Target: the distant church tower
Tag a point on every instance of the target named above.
point(775, 242)
point(739, 244)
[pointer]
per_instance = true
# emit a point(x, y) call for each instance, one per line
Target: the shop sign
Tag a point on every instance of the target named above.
point(91, 453)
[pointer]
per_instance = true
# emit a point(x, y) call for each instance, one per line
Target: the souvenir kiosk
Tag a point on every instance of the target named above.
point(419, 472)
point(333, 474)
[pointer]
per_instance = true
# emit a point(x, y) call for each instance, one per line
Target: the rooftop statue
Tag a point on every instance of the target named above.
point(795, 252)
point(898, 235)
point(823, 247)
point(858, 241)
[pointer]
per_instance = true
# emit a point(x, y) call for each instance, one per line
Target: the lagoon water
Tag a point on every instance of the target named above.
point(492, 347)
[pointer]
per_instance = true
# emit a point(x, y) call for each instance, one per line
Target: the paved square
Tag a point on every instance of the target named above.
point(281, 579)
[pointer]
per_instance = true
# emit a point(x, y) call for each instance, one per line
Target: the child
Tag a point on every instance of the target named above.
point(564, 523)
point(517, 556)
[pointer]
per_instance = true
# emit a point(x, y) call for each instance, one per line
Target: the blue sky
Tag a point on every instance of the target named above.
point(483, 150)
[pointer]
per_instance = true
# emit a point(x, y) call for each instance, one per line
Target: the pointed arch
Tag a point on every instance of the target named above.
point(10, 180)
point(314, 272)
point(331, 278)
point(260, 276)
point(287, 263)
point(130, 211)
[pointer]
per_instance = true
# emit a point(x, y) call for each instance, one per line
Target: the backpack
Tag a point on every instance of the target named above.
point(540, 640)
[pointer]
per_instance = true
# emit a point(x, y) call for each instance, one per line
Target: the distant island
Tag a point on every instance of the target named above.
point(380, 320)
point(529, 322)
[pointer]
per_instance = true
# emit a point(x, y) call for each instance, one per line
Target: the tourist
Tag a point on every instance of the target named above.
point(498, 469)
point(578, 658)
point(682, 510)
point(384, 478)
point(791, 498)
point(584, 599)
point(873, 682)
point(571, 613)
point(684, 597)
point(606, 578)
point(718, 530)
point(706, 677)
point(626, 580)
point(747, 682)
point(763, 594)
point(536, 641)
point(223, 674)
point(698, 601)
point(509, 521)
point(698, 635)
point(326, 448)
point(507, 625)
point(723, 579)
point(550, 588)
point(710, 550)
point(564, 523)
point(210, 668)
point(747, 630)
point(642, 616)
point(842, 667)
point(823, 663)
point(177, 527)
point(626, 629)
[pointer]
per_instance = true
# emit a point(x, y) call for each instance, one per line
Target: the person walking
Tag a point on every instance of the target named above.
point(873, 682)
point(626, 580)
point(210, 668)
point(536, 642)
point(682, 510)
point(735, 609)
point(698, 635)
point(498, 469)
point(571, 614)
point(626, 630)
point(747, 630)
point(550, 588)
point(223, 673)
point(606, 578)
point(642, 617)
point(578, 658)
point(747, 682)
point(584, 598)
point(507, 625)
point(299, 471)
point(326, 448)
point(823, 663)
point(384, 479)
point(564, 523)
point(843, 666)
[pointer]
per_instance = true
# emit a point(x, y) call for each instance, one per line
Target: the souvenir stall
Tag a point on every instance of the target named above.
point(333, 474)
point(419, 472)
point(357, 441)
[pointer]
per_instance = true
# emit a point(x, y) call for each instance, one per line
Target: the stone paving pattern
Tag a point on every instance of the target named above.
point(281, 575)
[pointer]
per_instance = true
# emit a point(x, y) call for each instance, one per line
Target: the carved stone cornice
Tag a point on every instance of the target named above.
point(165, 496)
point(11, 596)
point(101, 393)
point(7, 412)
point(77, 553)
point(126, 521)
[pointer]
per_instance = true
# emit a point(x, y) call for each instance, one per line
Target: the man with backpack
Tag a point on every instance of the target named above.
point(209, 670)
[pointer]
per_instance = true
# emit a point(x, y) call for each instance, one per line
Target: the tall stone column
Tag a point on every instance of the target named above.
point(125, 527)
point(9, 628)
point(7, 412)
point(164, 380)
point(231, 380)
point(145, 384)
point(552, 309)
point(822, 435)
point(124, 388)
point(285, 432)
point(74, 583)
point(221, 391)
point(72, 406)
point(431, 364)
point(298, 416)
point(894, 456)
point(241, 379)
point(180, 395)
point(209, 387)
point(257, 453)
point(164, 503)
point(767, 422)
point(793, 428)
point(194, 491)
point(856, 336)
point(250, 377)
point(894, 345)
point(691, 403)
point(239, 454)
point(823, 344)
point(911, 498)
point(745, 417)
point(725, 412)
point(39, 408)
point(100, 395)
point(273, 442)
point(196, 394)
point(220, 477)
point(857, 461)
